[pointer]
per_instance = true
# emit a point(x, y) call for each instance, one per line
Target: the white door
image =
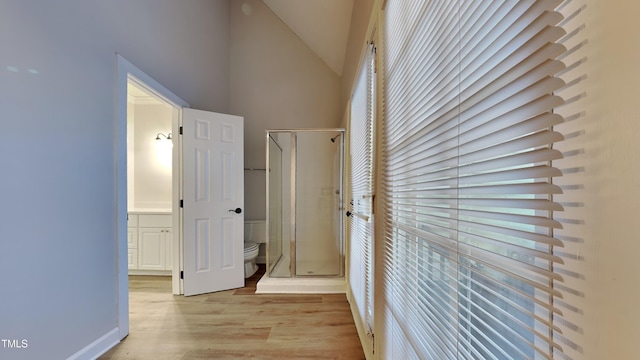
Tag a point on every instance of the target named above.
point(213, 187)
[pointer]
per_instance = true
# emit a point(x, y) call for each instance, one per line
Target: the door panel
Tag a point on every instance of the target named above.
point(213, 185)
point(228, 260)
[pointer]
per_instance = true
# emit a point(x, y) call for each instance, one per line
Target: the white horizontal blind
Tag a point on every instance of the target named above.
point(361, 185)
point(467, 147)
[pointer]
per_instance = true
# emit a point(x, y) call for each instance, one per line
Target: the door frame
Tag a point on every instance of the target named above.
point(124, 72)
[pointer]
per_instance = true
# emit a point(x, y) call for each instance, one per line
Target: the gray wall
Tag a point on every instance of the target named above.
point(57, 95)
point(277, 82)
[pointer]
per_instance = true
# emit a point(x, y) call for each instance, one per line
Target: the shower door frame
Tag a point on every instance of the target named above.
point(293, 195)
point(271, 263)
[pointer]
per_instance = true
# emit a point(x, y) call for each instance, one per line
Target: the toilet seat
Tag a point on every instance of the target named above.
point(248, 247)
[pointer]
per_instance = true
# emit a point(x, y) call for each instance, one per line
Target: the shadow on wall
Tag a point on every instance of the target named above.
point(570, 320)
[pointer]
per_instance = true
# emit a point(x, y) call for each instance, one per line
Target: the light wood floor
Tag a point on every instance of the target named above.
point(235, 324)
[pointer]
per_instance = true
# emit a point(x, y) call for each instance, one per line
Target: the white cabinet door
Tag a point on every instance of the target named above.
point(151, 249)
point(132, 259)
point(132, 238)
point(168, 238)
point(132, 245)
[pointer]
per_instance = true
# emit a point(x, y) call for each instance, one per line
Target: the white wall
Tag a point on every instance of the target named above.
point(277, 82)
point(601, 179)
point(316, 201)
point(57, 216)
point(152, 171)
point(131, 160)
point(358, 36)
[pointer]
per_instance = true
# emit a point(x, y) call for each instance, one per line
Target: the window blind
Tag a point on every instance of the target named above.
point(361, 186)
point(468, 178)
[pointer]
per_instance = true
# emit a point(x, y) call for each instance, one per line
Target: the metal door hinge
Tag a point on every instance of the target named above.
point(180, 132)
point(181, 274)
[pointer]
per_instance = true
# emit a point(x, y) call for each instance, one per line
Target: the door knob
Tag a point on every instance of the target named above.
point(236, 210)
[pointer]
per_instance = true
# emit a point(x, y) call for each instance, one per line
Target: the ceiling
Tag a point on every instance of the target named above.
point(322, 24)
point(138, 95)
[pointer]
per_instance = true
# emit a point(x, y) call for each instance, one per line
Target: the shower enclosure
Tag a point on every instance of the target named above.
point(304, 203)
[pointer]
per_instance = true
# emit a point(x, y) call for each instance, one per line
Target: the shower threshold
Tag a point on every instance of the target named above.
point(301, 285)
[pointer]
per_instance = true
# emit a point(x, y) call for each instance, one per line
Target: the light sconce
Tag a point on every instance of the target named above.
point(168, 137)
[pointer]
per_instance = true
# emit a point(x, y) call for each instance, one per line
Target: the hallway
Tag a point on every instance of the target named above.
point(235, 324)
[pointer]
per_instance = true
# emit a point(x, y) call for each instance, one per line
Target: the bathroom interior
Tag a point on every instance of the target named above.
point(149, 182)
point(301, 239)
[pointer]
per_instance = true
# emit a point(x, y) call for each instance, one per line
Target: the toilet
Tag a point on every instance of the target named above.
point(254, 235)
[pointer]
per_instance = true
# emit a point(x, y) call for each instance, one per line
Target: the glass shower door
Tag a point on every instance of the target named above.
point(318, 198)
point(274, 173)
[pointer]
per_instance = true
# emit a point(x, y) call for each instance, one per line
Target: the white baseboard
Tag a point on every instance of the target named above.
point(365, 340)
point(98, 347)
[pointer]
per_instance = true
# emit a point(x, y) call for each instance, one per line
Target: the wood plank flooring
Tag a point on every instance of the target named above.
point(235, 324)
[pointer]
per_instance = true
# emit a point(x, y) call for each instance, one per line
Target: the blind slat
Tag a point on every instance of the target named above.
point(467, 178)
point(361, 189)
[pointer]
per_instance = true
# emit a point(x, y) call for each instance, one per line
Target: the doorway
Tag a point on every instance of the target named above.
point(204, 229)
point(170, 235)
point(149, 181)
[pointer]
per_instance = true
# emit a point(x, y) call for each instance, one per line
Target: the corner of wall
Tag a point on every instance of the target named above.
point(362, 19)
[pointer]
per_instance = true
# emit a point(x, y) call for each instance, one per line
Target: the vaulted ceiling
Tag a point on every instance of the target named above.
point(322, 24)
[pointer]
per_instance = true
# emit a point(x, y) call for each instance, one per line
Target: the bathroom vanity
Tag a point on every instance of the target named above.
point(149, 242)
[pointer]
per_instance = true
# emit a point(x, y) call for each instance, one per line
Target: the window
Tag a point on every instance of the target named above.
point(467, 155)
point(361, 187)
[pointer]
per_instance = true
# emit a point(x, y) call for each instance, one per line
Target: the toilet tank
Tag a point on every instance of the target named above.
point(255, 231)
